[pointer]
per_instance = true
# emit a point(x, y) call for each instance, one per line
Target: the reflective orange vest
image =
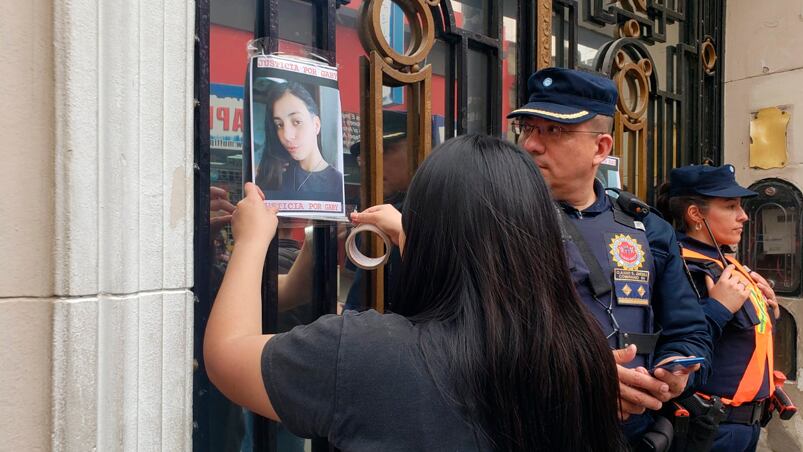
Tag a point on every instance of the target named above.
point(754, 374)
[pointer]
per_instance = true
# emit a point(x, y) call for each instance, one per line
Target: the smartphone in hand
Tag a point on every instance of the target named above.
point(678, 364)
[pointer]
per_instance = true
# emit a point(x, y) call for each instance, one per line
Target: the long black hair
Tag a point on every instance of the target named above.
point(503, 332)
point(274, 155)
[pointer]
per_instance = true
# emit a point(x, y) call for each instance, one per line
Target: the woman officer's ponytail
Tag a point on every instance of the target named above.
point(674, 208)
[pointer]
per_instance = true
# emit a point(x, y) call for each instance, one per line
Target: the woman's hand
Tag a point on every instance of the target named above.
point(730, 290)
point(769, 294)
point(253, 222)
point(385, 217)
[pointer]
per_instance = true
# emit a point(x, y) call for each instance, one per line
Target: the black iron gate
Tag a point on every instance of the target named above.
point(665, 56)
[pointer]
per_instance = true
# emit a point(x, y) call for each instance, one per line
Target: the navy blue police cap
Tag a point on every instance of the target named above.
point(568, 96)
point(704, 180)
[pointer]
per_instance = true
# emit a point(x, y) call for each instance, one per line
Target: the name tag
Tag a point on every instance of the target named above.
point(632, 287)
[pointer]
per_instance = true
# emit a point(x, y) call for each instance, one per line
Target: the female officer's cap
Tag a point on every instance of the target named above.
point(704, 180)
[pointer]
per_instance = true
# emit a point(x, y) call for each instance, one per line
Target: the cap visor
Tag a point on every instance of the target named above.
point(553, 112)
point(730, 192)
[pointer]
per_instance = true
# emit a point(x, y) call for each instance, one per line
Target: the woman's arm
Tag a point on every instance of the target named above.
point(233, 341)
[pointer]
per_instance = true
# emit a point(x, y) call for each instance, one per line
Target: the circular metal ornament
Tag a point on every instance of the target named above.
point(630, 29)
point(637, 75)
point(708, 56)
point(422, 31)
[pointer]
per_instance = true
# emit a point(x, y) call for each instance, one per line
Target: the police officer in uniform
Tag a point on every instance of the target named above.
point(625, 261)
point(704, 202)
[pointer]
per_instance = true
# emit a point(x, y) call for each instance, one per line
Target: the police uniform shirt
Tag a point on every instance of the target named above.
point(629, 255)
point(733, 334)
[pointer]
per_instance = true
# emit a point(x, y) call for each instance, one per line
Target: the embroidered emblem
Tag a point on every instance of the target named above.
point(547, 82)
point(626, 252)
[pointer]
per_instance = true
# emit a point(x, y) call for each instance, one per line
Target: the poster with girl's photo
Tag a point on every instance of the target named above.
point(297, 136)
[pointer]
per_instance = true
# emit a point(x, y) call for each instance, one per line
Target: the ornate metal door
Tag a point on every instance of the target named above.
point(663, 55)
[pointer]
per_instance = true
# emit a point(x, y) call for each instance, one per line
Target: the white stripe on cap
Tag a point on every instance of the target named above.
point(579, 114)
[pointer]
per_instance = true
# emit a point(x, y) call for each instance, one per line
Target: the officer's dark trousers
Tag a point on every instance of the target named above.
point(736, 438)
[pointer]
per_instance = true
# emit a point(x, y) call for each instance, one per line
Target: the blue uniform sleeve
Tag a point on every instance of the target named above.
point(716, 314)
point(674, 302)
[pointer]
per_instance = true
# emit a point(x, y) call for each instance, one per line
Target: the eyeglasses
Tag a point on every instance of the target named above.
point(549, 132)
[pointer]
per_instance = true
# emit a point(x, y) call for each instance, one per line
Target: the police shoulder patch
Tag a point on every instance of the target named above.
point(626, 252)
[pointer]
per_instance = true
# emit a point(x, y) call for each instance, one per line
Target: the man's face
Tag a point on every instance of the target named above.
point(568, 157)
point(395, 168)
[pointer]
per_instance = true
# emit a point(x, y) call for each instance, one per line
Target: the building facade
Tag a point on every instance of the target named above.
point(762, 70)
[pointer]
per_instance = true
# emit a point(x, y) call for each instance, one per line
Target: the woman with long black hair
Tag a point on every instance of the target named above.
point(489, 347)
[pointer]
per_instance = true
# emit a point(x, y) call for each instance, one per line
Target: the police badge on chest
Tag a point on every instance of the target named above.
point(631, 283)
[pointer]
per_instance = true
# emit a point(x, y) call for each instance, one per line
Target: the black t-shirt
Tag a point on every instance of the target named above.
point(360, 381)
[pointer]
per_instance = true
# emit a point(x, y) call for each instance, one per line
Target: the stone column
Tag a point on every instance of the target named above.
point(95, 294)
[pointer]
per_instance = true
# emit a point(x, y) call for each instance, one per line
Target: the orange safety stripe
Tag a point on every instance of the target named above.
point(754, 374)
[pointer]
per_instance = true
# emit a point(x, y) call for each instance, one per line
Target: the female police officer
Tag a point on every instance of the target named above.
point(704, 204)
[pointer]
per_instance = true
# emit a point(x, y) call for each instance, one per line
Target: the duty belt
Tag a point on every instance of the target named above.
point(746, 413)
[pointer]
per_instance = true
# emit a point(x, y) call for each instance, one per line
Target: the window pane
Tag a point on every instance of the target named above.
point(395, 26)
point(297, 21)
point(771, 241)
point(477, 118)
point(472, 15)
point(590, 36)
point(439, 57)
point(510, 94)
point(236, 14)
point(218, 423)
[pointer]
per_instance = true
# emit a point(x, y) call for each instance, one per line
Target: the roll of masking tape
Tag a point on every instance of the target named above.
point(358, 258)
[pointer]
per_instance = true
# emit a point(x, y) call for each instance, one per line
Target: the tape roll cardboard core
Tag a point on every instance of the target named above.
point(357, 257)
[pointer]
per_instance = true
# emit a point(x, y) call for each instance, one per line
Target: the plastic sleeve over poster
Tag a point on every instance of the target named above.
point(296, 136)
